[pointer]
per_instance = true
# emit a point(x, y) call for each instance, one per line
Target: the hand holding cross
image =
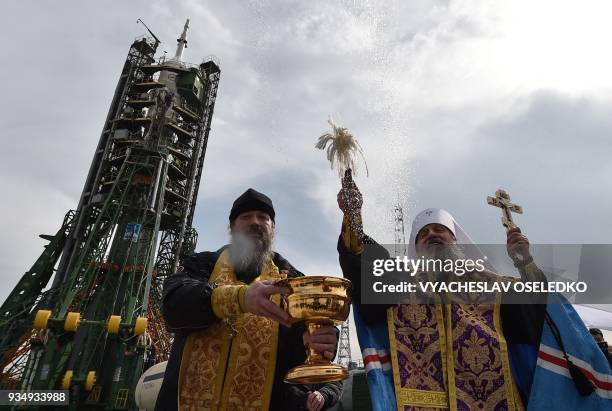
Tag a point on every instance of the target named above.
point(517, 244)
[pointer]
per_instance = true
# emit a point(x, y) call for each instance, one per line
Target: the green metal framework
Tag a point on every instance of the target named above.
point(111, 256)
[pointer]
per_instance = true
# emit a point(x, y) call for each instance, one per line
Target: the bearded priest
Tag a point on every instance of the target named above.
point(232, 340)
point(441, 356)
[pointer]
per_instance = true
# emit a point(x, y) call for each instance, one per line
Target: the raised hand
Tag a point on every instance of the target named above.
point(518, 247)
point(350, 199)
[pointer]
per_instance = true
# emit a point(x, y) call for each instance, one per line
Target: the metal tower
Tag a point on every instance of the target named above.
point(344, 346)
point(399, 232)
point(99, 320)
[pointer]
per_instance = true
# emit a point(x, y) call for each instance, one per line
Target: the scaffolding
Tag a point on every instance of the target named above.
point(99, 323)
point(344, 346)
point(399, 233)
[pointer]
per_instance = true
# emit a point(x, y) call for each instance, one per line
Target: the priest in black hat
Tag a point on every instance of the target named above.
point(232, 340)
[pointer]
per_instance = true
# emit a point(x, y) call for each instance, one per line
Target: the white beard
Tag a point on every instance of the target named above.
point(249, 254)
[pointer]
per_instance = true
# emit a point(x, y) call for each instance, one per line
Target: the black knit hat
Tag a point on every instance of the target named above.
point(595, 331)
point(252, 200)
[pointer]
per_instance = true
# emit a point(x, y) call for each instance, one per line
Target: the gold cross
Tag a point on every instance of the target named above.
point(502, 200)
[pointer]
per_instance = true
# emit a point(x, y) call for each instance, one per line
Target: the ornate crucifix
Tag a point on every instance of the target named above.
point(502, 200)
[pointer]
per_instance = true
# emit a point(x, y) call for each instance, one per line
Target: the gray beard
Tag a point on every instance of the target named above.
point(451, 251)
point(248, 254)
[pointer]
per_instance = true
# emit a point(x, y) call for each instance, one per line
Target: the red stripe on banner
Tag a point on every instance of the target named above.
point(561, 362)
point(370, 358)
point(374, 357)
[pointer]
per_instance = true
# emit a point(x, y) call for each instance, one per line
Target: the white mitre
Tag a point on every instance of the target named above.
point(443, 217)
point(438, 216)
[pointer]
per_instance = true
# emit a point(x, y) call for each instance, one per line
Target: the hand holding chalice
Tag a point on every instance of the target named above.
point(317, 301)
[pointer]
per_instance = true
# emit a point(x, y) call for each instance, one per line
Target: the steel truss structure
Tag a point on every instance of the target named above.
point(87, 316)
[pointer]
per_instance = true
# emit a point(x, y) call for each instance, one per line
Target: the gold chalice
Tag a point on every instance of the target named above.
point(317, 301)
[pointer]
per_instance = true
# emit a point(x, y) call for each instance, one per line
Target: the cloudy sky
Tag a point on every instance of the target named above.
point(449, 99)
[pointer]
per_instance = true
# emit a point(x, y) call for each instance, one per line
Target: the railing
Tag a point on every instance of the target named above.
point(162, 60)
point(109, 177)
point(213, 58)
point(179, 164)
point(170, 208)
point(148, 39)
point(181, 148)
point(176, 188)
point(117, 153)
point(188, 107)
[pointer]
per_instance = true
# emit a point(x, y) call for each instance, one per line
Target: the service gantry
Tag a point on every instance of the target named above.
point(86, 317)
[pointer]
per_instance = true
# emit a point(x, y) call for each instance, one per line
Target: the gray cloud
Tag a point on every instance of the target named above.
point(441, 124)
point(549, 154)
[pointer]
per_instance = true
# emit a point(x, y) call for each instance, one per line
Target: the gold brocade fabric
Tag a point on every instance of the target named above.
point(450, 357)
point(351, 240)
point(231, 364)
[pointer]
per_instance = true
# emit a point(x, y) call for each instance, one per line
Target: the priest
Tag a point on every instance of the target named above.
point(445, 355)
point(232, 340)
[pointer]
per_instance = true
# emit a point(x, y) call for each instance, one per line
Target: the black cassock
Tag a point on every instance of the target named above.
point(187, 307)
